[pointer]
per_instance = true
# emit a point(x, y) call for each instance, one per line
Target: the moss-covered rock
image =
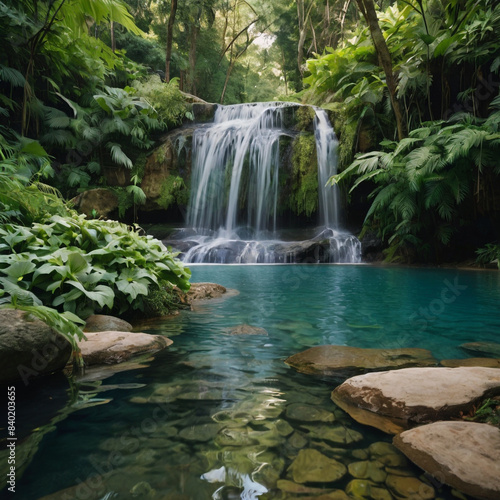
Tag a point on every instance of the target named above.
point(304, 195)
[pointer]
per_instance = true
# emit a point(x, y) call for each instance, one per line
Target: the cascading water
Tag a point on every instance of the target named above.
point(235, 188)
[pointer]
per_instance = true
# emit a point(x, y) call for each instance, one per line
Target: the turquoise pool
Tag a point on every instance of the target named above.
point(219, 416)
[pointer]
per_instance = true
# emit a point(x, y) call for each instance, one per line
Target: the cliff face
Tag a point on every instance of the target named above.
point(167, 173)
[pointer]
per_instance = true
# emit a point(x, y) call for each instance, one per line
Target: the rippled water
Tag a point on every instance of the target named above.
point(221, 416)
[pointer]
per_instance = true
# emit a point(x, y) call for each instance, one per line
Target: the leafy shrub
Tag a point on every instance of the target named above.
point(424, 182)
point(84, 266)
point(489, 254)
point(111, 132)
point(165, 98)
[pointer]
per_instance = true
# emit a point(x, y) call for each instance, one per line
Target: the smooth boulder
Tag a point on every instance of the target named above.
point(114, 347)
point(29, 347)
point(394, 401)
point(464, 455)
point(337, 360)
point(104, 323)
point(100, 202)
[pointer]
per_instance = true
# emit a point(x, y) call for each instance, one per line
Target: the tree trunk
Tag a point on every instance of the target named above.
point(170, 29)
point(367, 8)
point(194, 30)
point(226, 81)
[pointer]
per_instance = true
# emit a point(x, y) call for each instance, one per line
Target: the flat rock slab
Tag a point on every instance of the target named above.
point(491, 349)
point(397, 400)
point(337, 360)
point(464, 455)
point(114, 347)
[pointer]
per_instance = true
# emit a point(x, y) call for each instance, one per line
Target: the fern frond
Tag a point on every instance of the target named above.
point(118, 156)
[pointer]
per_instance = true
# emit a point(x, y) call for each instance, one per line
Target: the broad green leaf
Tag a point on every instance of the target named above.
point(103, 295)
point(77, 263)
point(19, 269)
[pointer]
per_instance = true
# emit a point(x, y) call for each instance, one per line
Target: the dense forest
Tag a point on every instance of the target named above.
point(89, 85)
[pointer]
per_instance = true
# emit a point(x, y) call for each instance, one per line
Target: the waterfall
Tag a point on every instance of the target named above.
point(241, 136)
point(326, 147)
point(235, 184)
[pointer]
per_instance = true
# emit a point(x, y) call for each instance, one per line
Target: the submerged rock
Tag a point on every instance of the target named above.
point(396, 400)
point(114, 347)
point(368, 469)
point(336, 360)
point(491, 349)
point(203, 432)
point(485, 362)
point(311, 466)
point(409, 488)
point(307, 413)
point(245, 329)
point(336, 434)
point(362, 488)
point(464, 455)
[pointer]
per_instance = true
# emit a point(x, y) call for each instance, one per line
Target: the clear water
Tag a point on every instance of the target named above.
point(214, 404)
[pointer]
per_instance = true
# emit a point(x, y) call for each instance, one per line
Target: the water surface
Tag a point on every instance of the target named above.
point(215, 415)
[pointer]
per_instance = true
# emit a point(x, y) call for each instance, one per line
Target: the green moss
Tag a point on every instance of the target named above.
point(304, 196)
point(304, 118)
point(173, 190)
point(161, 301)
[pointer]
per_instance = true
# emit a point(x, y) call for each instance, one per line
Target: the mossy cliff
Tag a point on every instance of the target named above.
point(167, 172)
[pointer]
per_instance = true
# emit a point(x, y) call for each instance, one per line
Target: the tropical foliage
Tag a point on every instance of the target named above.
point(84, 266)
point(428, 189)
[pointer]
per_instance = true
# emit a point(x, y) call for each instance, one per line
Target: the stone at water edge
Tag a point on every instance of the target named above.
point(29, 347)
point(201, 291)
point(105, 323)
point(114, 347)
point(464, 455)
point(337, 360)
point(396, 400)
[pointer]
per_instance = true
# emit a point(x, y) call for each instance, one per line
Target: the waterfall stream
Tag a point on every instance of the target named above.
point(235, 187)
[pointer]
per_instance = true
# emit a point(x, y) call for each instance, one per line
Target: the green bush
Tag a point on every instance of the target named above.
point(165, 98)
point(84, 266)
